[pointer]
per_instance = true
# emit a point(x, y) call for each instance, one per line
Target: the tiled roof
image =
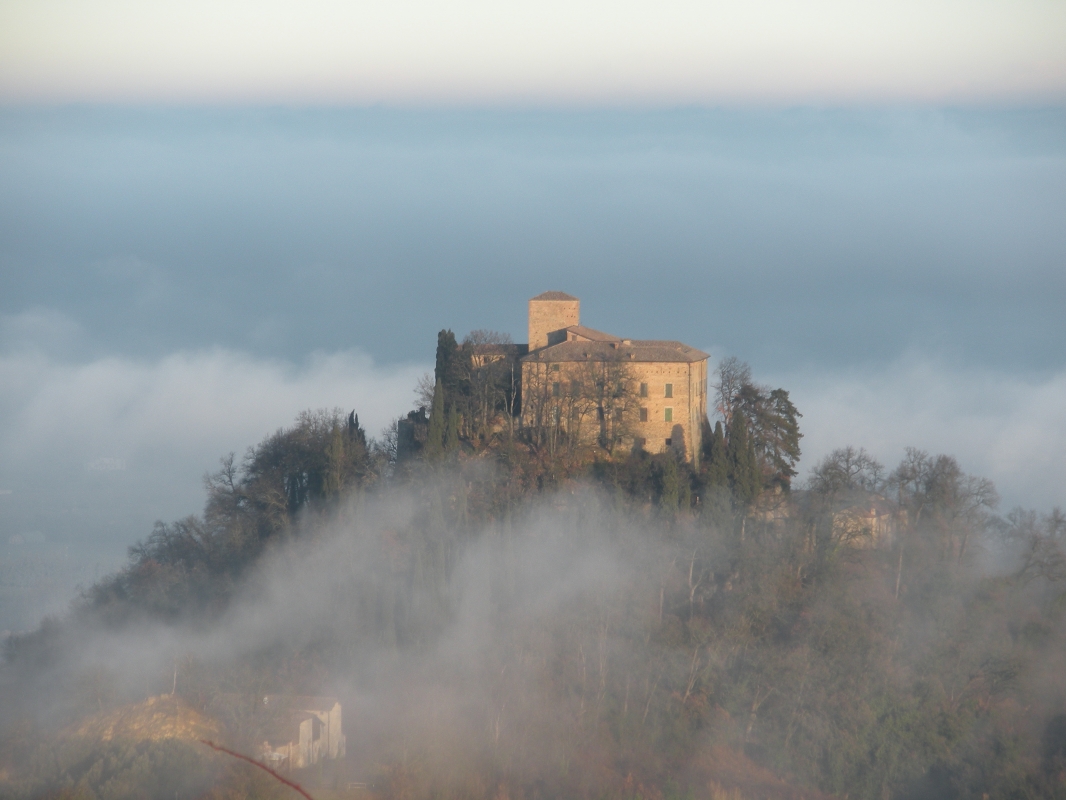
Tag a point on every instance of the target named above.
point(555, 296)
point(647, 350)
point(591, 334)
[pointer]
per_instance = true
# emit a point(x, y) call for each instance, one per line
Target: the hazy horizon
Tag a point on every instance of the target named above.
point(583, 53)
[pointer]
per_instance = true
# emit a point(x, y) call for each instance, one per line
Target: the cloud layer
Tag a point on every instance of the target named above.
point(97, 449)
point(1007, 427)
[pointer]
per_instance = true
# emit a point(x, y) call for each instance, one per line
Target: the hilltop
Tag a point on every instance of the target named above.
point(508, 614)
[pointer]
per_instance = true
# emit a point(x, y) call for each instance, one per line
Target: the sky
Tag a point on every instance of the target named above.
point(214, 216)
point(575, 52)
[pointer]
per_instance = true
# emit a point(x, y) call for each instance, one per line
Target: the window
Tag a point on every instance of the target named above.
point(644, 390)
point(555, 389)
point(644, 415)
point(669, 390)
point(640, 441)
point(669, 442)
point(575, 388)
point(669, 415)
point(555, 367)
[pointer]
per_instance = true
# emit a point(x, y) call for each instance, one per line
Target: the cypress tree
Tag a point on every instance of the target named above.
point(717, 458)
point(435, 435)
point(669, 495)
point(333, 479)
point(451, 432)
point(743, 467)
point(357, 449)
point(355, 430)
point(447, 370)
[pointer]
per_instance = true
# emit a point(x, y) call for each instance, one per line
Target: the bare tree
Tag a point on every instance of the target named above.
point(610, 392)
point(847, 469)
point(935, 491)
point(841, 482)
point(731, 375)
point(491, 369)
point(424, 391)
point(579, 405)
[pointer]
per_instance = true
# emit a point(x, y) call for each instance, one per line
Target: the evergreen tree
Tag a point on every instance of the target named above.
point(356, 433)
point(451, 431)
point(777, 438)
point(435, 438)
point(448, 370)
point(333, 479)
point(356, 449)
point(670, 484)
point(717, 458)
point(744, 478)
point(773, 430)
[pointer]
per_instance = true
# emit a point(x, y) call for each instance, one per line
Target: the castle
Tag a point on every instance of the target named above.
point(650, 394)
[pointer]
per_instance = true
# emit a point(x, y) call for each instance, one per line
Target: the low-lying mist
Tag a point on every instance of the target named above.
point(581, 642)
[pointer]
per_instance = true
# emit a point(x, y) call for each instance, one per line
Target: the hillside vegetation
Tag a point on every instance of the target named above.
point(510, 615)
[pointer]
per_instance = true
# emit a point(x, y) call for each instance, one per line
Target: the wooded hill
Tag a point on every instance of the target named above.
point(507, 615)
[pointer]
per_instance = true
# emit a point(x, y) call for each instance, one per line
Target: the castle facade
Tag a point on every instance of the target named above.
point(636, 393)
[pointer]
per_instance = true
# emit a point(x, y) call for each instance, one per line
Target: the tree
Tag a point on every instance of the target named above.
point(847, 469)
point(671, 495)
point(774, 431)
point(772, 420)
point(314, 460)
point(840, 485)
point(1041, 541)
point(743, 467)
point(451, 432)
point(731, 375)
point(332, 481)
point(424, 390)
point(582, 406)
point(437, 423)
point(716, 457)
point(942, 500)
point(449, 370)
point(609, 392)
point(777, 435)
point(491, 365)
point(356, 433)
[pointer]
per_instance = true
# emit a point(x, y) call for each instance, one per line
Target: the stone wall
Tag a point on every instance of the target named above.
point(548, 316)
point(647, 388)
point(687, 406)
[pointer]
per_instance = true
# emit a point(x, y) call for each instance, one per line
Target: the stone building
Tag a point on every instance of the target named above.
point(627, 392)
point(301, 731)
point(869, 521)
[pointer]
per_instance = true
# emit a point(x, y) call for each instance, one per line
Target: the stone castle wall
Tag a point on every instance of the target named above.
point(687, 406)
point(547, 316)
point(647, 391)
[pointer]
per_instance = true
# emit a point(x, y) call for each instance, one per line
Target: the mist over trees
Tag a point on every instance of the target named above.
point(514, 611)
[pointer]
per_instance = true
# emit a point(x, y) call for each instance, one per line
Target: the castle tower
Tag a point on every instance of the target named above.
point(549, 313)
